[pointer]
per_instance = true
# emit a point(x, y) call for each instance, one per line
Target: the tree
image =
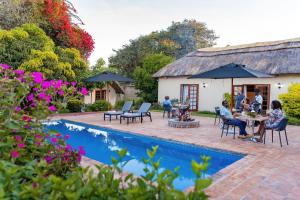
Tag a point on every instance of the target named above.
point(179, 39)
point(143, 80)
point(29, 48)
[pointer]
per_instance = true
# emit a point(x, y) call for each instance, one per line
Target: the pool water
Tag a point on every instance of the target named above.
point(101, 143)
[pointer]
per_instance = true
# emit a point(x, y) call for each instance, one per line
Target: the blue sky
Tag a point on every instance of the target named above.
point(112, 23)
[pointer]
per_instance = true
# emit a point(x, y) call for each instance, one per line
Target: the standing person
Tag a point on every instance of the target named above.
point(228, 116)
point(167, 106)
point(258, 100)
point(239, 99)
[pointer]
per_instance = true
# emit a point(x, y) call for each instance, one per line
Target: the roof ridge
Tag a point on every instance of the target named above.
point(248, 46)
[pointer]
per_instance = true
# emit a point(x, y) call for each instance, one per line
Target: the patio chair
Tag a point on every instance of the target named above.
point(167, 108)
point(218, 115)
point(227, 124)
point(141, 113)
point(126, 108)
point(281, 127)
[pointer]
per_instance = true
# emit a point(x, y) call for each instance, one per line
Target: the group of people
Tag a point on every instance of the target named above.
point(181, 112)
point(243, 104)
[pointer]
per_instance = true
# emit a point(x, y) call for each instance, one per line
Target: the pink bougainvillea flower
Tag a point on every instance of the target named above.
point(38, 136)
point(38, 143)
point(48, 159)
point(78, 158)
point(33, 105)
point(20, 72)
point(46, 84)
point(4, 66)
point(84, 91)
point(18, 138)
point(54, 140)
point(66, 83)
point(73, 83)
point(52, 108)
point(67, 137)
point(60, 92)
point(30, 97)
point(37, 77)
point(35, 89)
point(48, 98)
point(26, 118)
point(58, 84)
point(81, 150)
point(18, 109)
point(68, 147)
point(57, 135)
point(21, 145)
point(42, 95)
point(14, 154)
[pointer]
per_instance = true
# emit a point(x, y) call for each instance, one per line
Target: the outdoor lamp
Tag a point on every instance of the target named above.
point(279, 85)
point(204, 85)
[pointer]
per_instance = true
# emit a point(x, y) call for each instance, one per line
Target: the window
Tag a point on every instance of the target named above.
point(191, 91)
point(100, 95)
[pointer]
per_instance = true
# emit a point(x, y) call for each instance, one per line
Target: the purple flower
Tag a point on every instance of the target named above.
point(68, 147)
point(67, 137)
point(38, 136)
point(14, 154)
point(81, 150)
point(52, 108)
point(35, 89)
point(21, 145)
point(30, 97)
point(73, 83)
point(37, 77)
point(18, 109)
point(48, 159)
point(42, 95)
point(48, 98)
point(84, 91)
point(58, 84)
point(54, 140)
point(26, 118)
point(61, 93)
point(4, 66)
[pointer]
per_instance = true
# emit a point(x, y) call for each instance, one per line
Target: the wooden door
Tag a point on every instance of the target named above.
point(191, 91)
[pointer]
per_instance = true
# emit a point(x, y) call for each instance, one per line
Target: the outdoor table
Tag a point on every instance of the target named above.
point(249, 119)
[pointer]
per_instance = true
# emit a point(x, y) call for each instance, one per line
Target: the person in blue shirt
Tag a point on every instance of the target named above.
point(167, 105)
point(224, 112)
point(239, 99)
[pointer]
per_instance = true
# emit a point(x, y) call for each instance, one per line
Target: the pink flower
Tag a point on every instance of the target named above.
point(48, 159)
point(18, 138)
point(81, 150)
point(21, 145)
point(46, 84)
point(48, 98)
point(84, 91)
point(37, 77)
point(14, 154)
point(58, 84)
point(54, 140)
point(4, 66)
point(57, 135)
point(61, 93)
point(30, 97)
point(26, 118)
point(19, 72)
point(68, 147)
point(67, 137)
point(52, 108)
point(42, 95)
point(38, 136)
point(78, 158)
point(73, 84)
point(18, 109)
point(35, 89)
point(32, 105)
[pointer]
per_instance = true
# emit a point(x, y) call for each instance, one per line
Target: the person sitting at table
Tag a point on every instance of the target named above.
point(224, 112)
point(167, 105)
point(274, 118)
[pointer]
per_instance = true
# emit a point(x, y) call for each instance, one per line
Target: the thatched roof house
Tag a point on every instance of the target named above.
point(277, 57)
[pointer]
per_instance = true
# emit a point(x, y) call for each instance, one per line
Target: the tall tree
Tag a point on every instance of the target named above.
point(176, 41)
point(143, 80)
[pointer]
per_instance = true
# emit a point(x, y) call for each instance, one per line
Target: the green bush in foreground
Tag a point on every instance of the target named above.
point(74, 105)
point(291, 101)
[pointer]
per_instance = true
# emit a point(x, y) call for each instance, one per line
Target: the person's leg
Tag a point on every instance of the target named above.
point(241, 124)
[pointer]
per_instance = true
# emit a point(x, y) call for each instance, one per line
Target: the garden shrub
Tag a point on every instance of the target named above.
point(100, 105)
point(137, 103)
point(291, 101)
point(74, 105)
point(157, 106)
point(119, 104)
point(39, 165)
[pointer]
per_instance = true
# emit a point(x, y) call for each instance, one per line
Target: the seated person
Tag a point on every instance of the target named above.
point(224, 112)
point(274, 118)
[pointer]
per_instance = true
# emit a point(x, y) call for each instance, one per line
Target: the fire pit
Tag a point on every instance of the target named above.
point(183, 124)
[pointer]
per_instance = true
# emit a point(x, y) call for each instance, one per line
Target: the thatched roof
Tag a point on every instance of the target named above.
point(277, 57)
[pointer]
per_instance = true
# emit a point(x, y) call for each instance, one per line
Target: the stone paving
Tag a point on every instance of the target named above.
point(267, 172)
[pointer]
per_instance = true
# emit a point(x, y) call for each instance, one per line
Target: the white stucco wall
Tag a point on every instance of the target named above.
point(212, 95)
point(111, 96)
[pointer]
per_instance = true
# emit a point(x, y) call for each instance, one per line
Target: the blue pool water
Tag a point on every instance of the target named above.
point(101, 143)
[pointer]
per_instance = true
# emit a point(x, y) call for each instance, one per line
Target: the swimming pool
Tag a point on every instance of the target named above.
point(101, 143)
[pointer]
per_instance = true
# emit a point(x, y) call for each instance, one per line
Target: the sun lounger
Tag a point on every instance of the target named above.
point(141, 113)
point(126, 108)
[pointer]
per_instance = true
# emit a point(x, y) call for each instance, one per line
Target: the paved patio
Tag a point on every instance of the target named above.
point(267, 172)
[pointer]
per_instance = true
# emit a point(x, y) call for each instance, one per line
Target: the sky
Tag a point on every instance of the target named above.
point(112, 23)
